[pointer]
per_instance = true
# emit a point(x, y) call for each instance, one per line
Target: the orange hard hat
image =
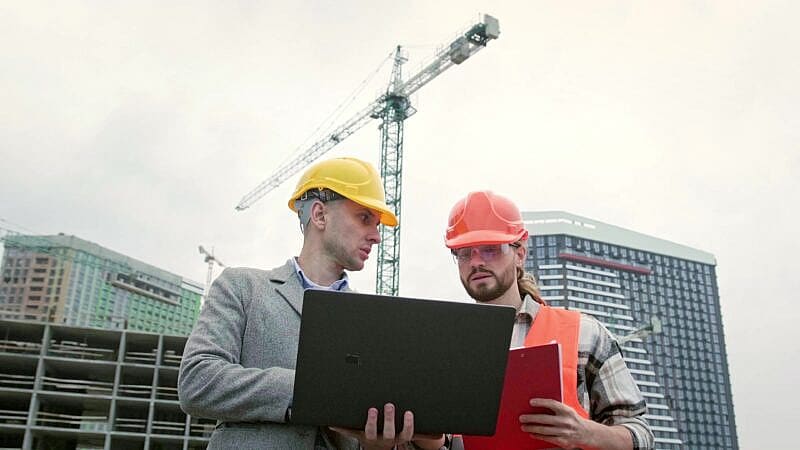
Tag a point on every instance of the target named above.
point(483, 218)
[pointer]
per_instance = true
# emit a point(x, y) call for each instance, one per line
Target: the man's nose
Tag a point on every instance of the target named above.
point(375, 236)
point(475, 258)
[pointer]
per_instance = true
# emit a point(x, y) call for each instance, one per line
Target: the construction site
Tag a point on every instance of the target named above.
point(91, 340)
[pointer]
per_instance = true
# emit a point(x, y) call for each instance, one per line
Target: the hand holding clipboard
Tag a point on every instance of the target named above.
point(531, 372)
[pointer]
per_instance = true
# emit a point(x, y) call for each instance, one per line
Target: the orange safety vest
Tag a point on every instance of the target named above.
point(563, 326)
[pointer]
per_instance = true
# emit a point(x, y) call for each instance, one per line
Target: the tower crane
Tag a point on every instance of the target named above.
point(210, 260)
point(392, 108)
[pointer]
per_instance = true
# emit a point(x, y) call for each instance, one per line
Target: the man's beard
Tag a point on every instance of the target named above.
point(484, 292)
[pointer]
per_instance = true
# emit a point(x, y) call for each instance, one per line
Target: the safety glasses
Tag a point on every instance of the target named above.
point(488, 253)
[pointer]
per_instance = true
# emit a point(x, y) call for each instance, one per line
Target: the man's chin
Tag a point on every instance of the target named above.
point(483, 295)
point(482, 291)
point(355, 266)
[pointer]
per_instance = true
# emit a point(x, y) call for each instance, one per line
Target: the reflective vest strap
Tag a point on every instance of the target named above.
point(563, 326)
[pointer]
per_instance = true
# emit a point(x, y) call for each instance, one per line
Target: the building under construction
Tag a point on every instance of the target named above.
point(81, 365)
point(65, 387)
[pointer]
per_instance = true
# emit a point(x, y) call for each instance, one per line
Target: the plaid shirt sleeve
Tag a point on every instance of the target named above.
point(606, 385)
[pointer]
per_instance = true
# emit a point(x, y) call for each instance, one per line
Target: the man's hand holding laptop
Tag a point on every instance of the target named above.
point(370, 439)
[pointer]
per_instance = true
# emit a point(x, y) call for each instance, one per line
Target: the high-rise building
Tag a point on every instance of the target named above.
point(64, 279)
point(624, 278)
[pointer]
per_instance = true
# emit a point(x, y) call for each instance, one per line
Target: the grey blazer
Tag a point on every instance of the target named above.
point(238, 364)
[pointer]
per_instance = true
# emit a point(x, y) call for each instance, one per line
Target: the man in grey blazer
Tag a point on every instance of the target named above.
point(238, 364)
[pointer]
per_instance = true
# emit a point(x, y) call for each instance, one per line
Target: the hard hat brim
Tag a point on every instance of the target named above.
point(385, 215)
point(484, 237)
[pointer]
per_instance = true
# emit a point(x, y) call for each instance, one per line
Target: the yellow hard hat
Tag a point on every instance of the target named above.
point(351, 178)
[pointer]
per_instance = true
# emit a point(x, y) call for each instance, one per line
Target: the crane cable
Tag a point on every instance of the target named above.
point(327, 123)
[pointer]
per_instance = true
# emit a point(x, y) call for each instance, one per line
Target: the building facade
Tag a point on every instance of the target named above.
point(624, 279)
point(64, 279)
point(66, 387)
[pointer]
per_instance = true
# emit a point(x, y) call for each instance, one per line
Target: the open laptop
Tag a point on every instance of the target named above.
point(443, 360)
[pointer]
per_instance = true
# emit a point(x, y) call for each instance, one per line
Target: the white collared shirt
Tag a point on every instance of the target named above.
point(338, 285)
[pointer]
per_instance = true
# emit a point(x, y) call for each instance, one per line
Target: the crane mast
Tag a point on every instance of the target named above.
point(397, 108)
point(209, 259)
point(392, 108)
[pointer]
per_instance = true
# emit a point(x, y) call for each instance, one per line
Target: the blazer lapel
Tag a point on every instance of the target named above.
point(287, 285)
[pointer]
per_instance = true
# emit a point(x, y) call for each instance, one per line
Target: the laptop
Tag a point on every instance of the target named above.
point(443, 360)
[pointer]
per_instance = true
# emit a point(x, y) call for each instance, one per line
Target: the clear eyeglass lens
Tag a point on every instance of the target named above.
point(487, 252)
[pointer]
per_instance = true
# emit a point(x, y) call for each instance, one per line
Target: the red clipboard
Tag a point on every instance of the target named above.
point(531, 372)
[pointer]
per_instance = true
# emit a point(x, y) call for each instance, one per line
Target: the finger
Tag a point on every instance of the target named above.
point(371, 428)
point(388, 421)
point(547, 403)
point(543, 419)
point(541, 431)
point(556, 441)
point(408, 427)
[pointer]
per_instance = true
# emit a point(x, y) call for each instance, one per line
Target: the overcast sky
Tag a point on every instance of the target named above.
point(140, 125)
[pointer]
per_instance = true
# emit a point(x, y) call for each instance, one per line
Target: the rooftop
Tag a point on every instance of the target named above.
point(562, 222)
point(44, 243)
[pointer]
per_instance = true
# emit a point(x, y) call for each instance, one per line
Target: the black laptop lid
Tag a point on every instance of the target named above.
point(443, 360)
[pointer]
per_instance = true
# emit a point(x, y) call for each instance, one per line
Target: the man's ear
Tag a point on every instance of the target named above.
point(521, 252)
point(318, 217)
